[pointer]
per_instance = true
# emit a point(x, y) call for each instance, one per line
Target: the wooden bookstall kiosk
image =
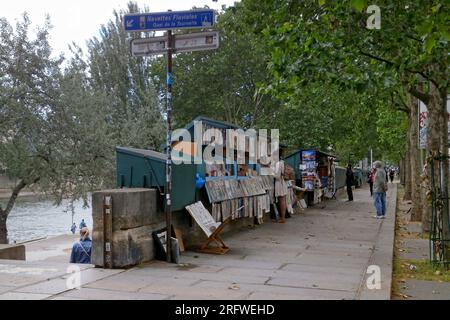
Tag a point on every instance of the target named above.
point(315, 172)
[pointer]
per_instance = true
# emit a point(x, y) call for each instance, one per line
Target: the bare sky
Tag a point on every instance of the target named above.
point(79, 20)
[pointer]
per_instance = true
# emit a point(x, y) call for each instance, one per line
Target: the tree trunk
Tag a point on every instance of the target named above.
point(5, 212)
point(407, 169)
point(416, 208)
point(3, 229)
point(402, 171)
point(445, 166)
point(434, 139)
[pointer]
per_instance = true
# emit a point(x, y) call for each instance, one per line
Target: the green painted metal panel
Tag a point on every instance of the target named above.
point(137, 168)
point(294, 161)
point(340, 177)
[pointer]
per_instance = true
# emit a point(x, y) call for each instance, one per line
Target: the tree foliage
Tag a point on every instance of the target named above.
point(60, 124)
point(222, 84)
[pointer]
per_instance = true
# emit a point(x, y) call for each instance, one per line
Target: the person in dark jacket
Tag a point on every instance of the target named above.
point(82, 224)
point(391, 175)
point(371, 179)
point(349, 178)
point(81, 251)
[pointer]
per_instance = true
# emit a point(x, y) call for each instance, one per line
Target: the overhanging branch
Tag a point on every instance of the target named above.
point(22, 184)
point(425, 98)
point(397, 66)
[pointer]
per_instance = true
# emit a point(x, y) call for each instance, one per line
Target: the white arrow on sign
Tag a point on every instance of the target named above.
point(130, 23)
point(183, 43)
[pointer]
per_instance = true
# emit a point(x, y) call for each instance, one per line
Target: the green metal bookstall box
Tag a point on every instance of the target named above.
point(138, 168)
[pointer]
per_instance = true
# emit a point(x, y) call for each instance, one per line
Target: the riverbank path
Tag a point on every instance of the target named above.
point(336, 250)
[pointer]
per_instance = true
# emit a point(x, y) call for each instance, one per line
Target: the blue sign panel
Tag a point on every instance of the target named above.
point(169, 20)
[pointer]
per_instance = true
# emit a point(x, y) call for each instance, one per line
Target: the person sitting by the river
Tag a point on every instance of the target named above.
point(82, 224)
point(81, 251)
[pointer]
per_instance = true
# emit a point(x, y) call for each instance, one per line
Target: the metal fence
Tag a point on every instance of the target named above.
point(440, 224)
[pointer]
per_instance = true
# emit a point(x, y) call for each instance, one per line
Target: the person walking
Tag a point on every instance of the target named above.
point(281, 188)
point(82, 224)
point(81, 250)
point(73, 228)
point(370, 180)
point(391, 175)
point(349, 179)
point(380, 187)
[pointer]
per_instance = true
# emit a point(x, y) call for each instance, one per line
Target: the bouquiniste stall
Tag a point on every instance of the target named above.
point(315, 171)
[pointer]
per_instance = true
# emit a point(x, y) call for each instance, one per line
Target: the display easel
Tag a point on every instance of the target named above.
point(211, 228)
point(221, 247)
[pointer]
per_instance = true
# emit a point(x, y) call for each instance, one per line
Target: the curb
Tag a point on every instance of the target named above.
point(383, 254)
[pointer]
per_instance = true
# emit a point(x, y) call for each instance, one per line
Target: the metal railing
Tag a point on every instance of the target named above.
point(440, 225)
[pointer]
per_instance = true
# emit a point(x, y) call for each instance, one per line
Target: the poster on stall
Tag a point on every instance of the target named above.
point(309, 165)
point(423, 123)
point(308, 155)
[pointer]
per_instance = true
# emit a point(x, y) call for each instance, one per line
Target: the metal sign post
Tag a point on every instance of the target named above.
point(169, 148)
point(171, 44)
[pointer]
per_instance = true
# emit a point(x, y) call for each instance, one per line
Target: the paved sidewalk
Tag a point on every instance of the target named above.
point(322, 253)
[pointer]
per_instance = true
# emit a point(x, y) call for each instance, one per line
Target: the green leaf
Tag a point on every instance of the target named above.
point(425, 28)
point(322, 2)
point(446, 35)
point(430, 43)
point(358, 4)
point(436, 8)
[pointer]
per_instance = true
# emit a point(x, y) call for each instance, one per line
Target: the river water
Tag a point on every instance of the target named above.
point(33, 218)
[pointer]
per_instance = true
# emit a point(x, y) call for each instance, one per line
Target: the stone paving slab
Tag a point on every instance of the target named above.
point(95, 274)
point(337, 270)
point(426, 290)
point(132, 283)
point(327, 260)
point(228, 262)
point(5, 289)
point(15, 281)
point(19, 274)
point(50, 287)
point(196, 293)
point(273, 292)
point(363, 254)
point(318, 281)
point(23, 296)
point(415, 249)
point(342, 245)
point(414, 227)
point(191, 274)
point(96, 294)
point(59, 285)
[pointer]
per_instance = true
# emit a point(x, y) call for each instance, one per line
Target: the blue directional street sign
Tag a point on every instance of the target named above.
point(169, 20)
